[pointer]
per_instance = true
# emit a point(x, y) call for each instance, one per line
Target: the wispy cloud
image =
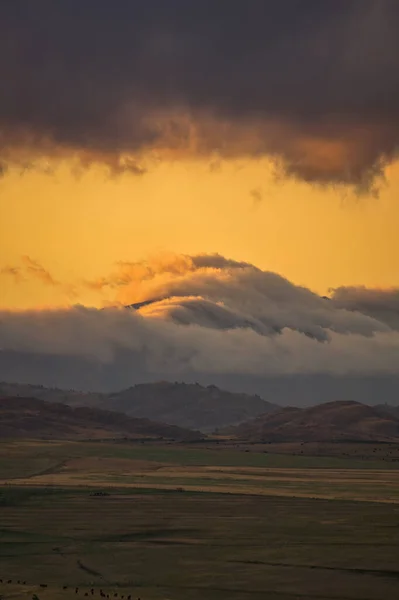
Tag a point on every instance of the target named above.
point(33, 269)
point(14, 272)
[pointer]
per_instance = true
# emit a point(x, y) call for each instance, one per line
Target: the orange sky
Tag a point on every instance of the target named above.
point(77, 228)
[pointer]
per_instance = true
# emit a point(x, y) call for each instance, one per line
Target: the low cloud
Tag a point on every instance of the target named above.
point(209, 316)
point(378, 303)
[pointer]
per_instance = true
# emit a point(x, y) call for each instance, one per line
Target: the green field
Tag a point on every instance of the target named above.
point(185, 523)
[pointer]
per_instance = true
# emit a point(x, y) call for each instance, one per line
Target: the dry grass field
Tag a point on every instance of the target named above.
point(180, 522)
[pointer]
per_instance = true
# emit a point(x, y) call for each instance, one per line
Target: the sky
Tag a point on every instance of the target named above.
point(142, 138)
point(80, 228)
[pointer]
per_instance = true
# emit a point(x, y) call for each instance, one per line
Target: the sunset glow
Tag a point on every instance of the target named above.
point(79, 228)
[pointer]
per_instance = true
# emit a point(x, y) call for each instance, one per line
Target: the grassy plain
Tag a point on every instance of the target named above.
point(187, 523)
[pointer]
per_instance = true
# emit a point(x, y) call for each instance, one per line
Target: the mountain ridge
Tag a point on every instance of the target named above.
point(331, 421)
point(187, 405)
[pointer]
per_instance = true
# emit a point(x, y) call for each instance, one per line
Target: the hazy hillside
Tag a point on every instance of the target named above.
point(187, 405)
point(50, 394)
point(34, 418)
point(388, 409)
point(332, 421)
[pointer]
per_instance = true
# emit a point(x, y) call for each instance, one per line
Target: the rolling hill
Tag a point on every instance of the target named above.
point(333, 421)
point(388, 409)
point(34, 418)
point(191, 406)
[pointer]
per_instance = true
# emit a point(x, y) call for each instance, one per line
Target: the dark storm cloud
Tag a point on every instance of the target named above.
point(315, 84)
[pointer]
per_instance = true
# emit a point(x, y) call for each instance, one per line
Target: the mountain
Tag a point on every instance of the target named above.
point(34, 418)
point(333, 421)
point(189, 405)
point(186, 405)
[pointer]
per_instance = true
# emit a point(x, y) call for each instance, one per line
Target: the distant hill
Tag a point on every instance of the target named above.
point(333, 421)
point(34, 418)
point(28, 390)
point(190, 406)
point(388, 409)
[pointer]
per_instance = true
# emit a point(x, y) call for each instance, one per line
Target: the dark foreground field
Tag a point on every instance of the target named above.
point(190, 524)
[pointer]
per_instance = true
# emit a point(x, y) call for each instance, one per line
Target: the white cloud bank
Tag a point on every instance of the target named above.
point(215, 316)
